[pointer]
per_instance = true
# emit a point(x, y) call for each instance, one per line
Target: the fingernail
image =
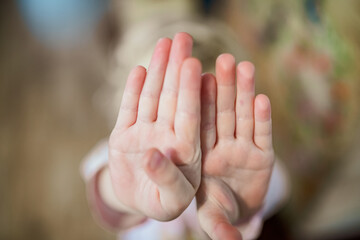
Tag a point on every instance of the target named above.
point(156, 161)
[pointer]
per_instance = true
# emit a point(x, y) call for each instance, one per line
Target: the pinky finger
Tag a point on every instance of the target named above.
point(130, 101)
point(263, 129)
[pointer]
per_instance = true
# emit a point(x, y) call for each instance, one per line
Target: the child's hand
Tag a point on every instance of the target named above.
point(154, 149)
point(237, 149)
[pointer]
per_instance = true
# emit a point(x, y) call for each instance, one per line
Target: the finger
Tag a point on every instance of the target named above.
point(245, 100)
point(175, 191)
point(225, 100)
point(150, 93)
point(180, 50)
point(215, 223)
point(208, 112)
point(187, 118)
point(130, 100)
point(263, 129)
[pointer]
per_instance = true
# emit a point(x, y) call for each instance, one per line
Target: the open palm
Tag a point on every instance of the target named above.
point(155, 146)
point(237, 149)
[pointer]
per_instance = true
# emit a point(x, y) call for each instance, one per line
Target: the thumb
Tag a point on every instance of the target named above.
point(175, 191)
point(215, 223)
point(215, 203)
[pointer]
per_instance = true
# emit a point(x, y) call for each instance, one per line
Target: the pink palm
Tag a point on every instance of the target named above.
point(236, 146)
point(155, 146)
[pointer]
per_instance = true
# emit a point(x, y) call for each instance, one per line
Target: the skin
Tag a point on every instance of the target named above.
point(237, 152)
point(156, 165)
point(154, 149)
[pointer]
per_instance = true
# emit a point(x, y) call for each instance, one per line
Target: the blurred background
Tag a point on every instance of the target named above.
point(62, 68)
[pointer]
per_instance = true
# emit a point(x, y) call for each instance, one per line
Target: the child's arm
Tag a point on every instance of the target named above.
point(238, 156)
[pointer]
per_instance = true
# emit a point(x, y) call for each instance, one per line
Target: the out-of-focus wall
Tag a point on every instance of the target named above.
point(47, 125)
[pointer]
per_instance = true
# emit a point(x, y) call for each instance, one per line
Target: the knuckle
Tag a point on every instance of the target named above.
point(149, 94)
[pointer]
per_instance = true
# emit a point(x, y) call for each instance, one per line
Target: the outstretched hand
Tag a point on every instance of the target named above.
point(154, 149)
point(237, 152)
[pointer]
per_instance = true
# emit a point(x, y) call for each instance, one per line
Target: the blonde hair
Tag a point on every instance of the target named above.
point(211, 38)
